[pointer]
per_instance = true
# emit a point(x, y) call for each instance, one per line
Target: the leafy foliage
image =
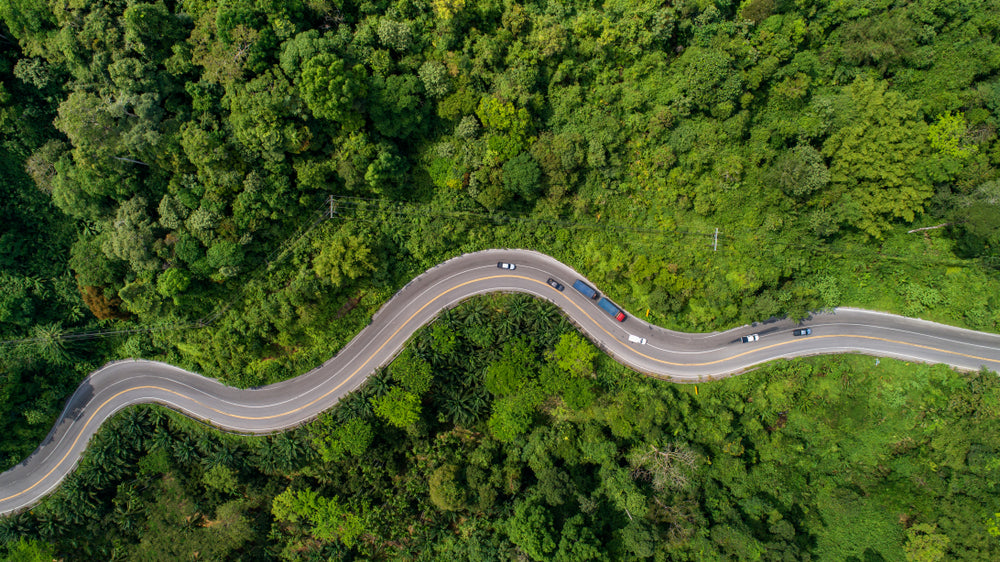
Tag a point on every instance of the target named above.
point(180, 151)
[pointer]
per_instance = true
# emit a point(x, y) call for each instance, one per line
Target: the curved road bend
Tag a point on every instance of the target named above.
point(677, 356)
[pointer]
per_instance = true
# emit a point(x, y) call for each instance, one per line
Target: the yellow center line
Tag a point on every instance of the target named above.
point(761, 348)
point(779, 344)
point(326, 394)
point(79, 435)
point(409, 319)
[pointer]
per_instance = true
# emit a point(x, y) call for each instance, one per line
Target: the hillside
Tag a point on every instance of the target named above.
point(168, 164)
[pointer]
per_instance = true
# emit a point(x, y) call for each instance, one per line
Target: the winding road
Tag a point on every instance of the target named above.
point(677, 356)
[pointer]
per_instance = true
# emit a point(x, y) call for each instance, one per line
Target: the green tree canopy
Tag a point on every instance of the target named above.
point(413, 372)
point(875, 156)
point(398, 407)
point(446, 492)
point(332, 91)
point(531, 529)
point(130, 237)
point(522, 175)
point(263, 112)
point(325, 518)
point(574, 354)
point(513, 370)
point(350, 438)
point(172, 283)
point(343, 258)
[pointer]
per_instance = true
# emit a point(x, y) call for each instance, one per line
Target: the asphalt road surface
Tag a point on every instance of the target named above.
point(676, 356)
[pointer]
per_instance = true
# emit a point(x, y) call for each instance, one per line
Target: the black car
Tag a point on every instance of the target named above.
point(802, 332)
point(555, 284)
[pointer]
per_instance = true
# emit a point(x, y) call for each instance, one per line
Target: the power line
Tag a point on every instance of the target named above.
point(355, 203)
point(342, 205)
point(275, 256)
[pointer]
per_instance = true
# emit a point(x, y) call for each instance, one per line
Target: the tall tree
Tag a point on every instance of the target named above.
point(876, 156)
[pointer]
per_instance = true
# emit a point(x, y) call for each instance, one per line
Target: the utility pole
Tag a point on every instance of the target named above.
point(715, 241)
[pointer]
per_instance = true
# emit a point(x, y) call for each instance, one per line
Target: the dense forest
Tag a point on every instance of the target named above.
point(235, 187)
point(500, 433)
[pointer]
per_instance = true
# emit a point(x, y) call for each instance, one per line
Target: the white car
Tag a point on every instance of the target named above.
point(637, 339)
point(505, 265)
point(750, 338)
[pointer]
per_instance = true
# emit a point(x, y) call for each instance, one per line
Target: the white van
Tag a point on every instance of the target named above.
point(637, 339)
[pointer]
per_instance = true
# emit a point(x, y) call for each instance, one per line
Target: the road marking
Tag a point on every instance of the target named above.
point(762, 348)
point(326, 394)
point(421, 309)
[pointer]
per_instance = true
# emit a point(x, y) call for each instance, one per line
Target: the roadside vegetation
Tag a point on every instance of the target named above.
point(167, 165)
point(500, 433)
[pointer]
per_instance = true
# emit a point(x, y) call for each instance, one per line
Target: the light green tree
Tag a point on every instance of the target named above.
point(172, 283)
point(947, 136)
point(574, 354)
point(508, 128)
point(349, 438)
point(171, 212)
point(531, 529)
point(130, 236)
point(413, 372)
point(435, 78)
point(513, 369)
point(30, 550)
point(296, 52)
point(799, 172)
point(445, 490)
point(925, 544)
point(445, 10)
point(343, 258)
point(325, 519)
point(220, 478)
point(398, 407)
point(512, 416)
point(331, 90)
point(876, 158)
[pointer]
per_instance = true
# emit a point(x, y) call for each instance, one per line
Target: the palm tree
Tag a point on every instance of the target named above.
point(519, 308)
point(228, 455)
point(207, 445)
point(50, 343)
point(476, 312)
point(457, 359)
point(100, 476)
point(464, 406)
point(265, 460)
point(350, 406)
point(508, 329)
point(183, 450)
point(128, 509)
point(13, 527)
point(291, 450)
point(448, 317)
point(49, 526)
point(379, 383)
point(161, 439)
point(132, 426)
point(547, 316)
